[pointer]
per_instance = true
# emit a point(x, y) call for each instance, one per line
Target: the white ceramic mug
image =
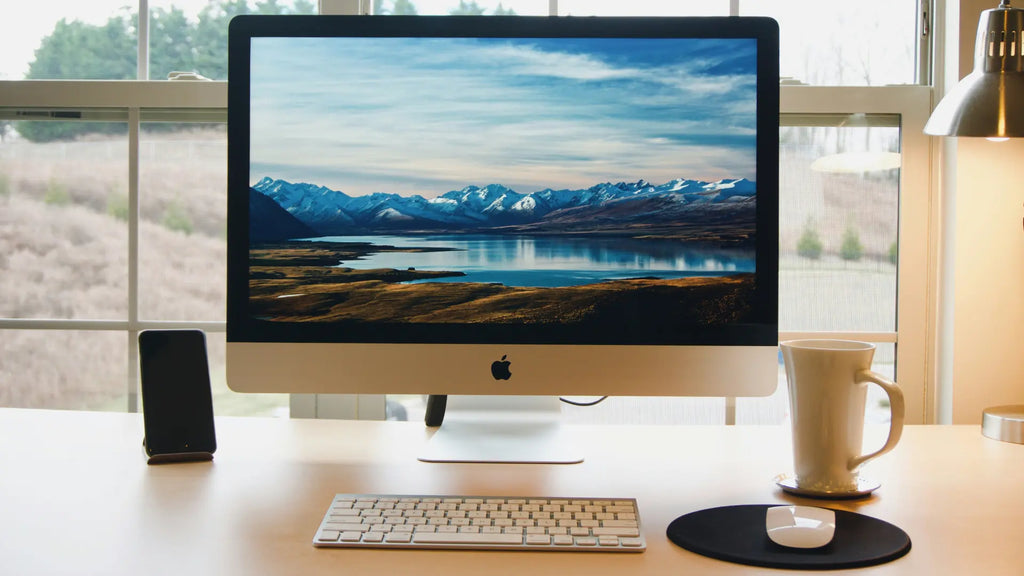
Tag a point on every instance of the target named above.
point(828, 382)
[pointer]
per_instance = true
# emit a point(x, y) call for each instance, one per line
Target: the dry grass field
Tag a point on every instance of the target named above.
point(64, 255)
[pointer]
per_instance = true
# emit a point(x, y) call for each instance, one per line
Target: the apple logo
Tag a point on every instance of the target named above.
point(500, 369)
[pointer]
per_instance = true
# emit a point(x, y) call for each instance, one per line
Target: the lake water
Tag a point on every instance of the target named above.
point(547, 261)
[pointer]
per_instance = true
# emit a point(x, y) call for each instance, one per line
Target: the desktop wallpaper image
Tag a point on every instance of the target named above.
point(589, 183)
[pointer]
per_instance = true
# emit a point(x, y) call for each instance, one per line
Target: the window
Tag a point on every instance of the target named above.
point(39, 24)
point(461, 7)
point(838, 228)
point(644, 8)
point(867, 43)
point(65, 222)
point(64, 368)
point(113, 197)
point(182, 221)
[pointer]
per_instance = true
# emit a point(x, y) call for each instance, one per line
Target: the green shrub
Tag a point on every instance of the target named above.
point(56, 193)
point(176, 219)
point(117, 206)
point(851, 248)
point(809, 245)
point(894, 253)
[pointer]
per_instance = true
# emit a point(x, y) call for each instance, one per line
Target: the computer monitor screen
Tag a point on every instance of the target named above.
point(503, 205)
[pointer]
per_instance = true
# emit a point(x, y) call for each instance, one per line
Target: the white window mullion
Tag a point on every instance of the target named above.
point(143, 49)
point(134, 126)
point(928, 11)
point(109, 325)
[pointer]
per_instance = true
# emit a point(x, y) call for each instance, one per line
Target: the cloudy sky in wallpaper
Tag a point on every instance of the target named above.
point(425, 116)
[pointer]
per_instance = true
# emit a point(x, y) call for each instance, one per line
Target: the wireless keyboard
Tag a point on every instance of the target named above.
point(481, 523)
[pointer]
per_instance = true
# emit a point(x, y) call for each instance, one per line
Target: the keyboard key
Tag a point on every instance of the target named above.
point(619, 523)
point(348, 527)
point(615, 531)
point(466, 538)
point(563, 540)
point(328, 536)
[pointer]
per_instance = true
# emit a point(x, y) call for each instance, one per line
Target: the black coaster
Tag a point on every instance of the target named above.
point(737, 534)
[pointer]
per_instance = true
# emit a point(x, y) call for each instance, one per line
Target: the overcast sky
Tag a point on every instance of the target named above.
point(431, 115)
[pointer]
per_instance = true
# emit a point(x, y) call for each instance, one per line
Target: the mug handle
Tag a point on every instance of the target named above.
point(896, 405)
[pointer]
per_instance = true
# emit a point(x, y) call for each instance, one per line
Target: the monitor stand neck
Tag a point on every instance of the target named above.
point(506, 429)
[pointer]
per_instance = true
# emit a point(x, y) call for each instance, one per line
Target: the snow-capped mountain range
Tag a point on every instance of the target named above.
point(330, 211)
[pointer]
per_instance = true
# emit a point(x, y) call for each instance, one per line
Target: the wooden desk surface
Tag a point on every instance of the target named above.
point(76, 496)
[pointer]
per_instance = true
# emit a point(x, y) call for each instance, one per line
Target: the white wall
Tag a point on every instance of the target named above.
point(988, 363)
point(988, 258)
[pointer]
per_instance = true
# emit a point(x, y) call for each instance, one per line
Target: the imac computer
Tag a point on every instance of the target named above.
point(510, 207)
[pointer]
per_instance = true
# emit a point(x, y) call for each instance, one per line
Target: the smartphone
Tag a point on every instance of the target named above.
point(177, 405)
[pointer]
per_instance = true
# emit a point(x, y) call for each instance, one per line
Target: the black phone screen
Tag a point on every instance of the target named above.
point(176, 400)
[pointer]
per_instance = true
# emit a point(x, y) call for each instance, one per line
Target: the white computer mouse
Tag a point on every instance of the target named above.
point(800, 526)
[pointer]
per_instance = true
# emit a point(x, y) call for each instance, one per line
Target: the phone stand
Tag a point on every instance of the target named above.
point(168, 457)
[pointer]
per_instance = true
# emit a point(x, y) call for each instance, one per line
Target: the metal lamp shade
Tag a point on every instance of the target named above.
point(988, 102)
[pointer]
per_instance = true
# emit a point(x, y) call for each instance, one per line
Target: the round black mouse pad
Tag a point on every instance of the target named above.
point(738, 534)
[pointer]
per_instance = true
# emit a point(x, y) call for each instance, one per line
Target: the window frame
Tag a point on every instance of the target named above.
point(917, 231)
point(916, 326)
